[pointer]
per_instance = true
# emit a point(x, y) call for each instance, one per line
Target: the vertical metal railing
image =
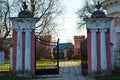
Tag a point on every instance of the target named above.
point(117, 57)
point(84, 65)
point(44, 63)
point(58, 53)
point(35, 52)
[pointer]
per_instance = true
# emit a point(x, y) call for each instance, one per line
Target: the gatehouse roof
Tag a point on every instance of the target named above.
point(63, 46)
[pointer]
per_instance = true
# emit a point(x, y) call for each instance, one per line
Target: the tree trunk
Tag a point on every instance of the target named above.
point(1, 44)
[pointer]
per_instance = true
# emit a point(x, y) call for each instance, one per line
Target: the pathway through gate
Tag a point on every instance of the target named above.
point(69, 70)
point(44, 60)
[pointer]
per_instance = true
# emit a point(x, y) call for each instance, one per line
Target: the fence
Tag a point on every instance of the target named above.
point(4, 62)
point(83, 49)
point(117, 57)
point(45, 63)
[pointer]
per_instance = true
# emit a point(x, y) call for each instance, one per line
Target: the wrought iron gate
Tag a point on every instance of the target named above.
point(83, 49)
point(116, 57)
point(45, 63)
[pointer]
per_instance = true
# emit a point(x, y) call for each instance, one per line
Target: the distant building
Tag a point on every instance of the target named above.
point(65, 51)
point(44, 50)
point(77, 41)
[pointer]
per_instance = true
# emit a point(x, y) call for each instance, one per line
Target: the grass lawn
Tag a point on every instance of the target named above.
point(78, 60)
point(39, 64)
point(114, 76)
point(6, 65)
point(44, 63)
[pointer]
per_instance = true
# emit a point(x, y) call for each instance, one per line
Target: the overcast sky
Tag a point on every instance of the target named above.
point(68, 27)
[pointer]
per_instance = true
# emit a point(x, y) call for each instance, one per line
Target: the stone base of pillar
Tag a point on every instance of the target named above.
point(25, 75)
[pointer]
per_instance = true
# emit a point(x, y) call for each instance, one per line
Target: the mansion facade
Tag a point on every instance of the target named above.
point(113, 10)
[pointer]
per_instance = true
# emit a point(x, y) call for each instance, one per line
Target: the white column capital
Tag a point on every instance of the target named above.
point(19, 30)
point(22, 30)
point(94, 30)
point(26, 30)
point(103, 30)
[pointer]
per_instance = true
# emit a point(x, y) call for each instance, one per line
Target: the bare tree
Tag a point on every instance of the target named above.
point(46, 10)
point(85, 11)
point(4, 21)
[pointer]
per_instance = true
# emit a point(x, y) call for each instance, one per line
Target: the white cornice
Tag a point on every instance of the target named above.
point(110, 3)
point(95, 23)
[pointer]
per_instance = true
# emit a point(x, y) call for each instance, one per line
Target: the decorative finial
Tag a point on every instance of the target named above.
point(98, 6)
point(25, 13)
point(24, 5)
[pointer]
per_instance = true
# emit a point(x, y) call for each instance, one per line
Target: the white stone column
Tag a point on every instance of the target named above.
point(28, 50)
point(93, 50)
point(103, 49)
point(19, 51)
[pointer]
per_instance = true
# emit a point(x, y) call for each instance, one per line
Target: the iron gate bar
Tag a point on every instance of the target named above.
point(116, 57)
point(58, 53)
point(53, 70)
point(84, 65)
point(35, 52)
point(46, 42)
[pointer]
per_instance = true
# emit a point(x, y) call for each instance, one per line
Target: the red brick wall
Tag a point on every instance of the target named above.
point(77, 41)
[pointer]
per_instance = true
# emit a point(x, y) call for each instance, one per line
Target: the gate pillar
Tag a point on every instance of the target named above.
point(98, 42)
point(23, 58)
